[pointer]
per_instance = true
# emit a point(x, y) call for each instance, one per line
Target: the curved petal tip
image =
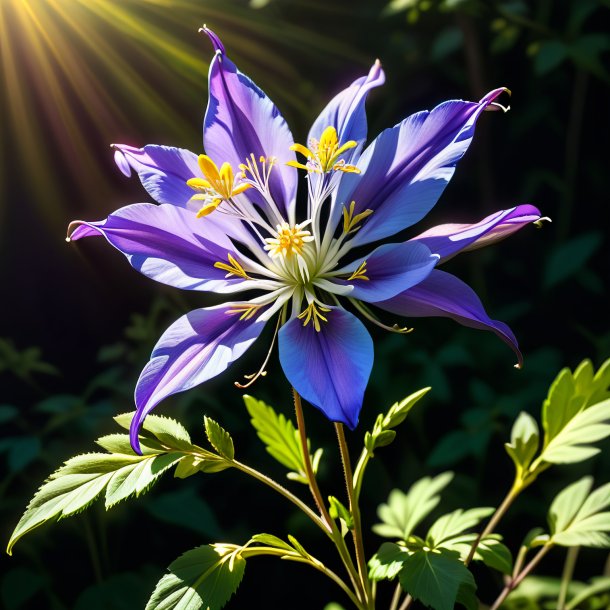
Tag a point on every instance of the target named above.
point(216, 42)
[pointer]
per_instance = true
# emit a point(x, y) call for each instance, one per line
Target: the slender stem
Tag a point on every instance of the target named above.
point(406, 603)
point(566, 575)
point(313, 484)
point(329, 524)
point(284, 492)
point(363, 461)
point(355, 510)
point(396, 597)
point(511, 496)
point(93, 550)
point(514, 582)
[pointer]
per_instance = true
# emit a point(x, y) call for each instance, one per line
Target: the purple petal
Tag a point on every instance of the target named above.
point(444, 295)
point(241, 120)
point(450, 239)
point(163, 170)
point(168, 244)
point(330, 368)
point(406, 168)
point(195, 348)
point(390, 269)
point(346, 113)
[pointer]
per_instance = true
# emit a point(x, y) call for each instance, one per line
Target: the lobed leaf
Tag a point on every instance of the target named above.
point(524, 442)
point(404, 512)
point(453, 524)
point(219, 438)
point(164, 429)
point(387, 562)
point(205, 577)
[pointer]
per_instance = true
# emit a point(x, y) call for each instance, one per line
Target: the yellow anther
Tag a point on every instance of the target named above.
point(233, 268)
point(314, 313)
point(351, 222)
point(246, 310)
point(218, 185)
point(323, 156)
point(359, 274)
point(288, 240)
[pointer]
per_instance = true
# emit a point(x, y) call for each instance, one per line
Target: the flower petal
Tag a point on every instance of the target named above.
point(390, 269)
point(163, 170)
point(450, 239)
point(329, 368)
point(444, 295)
point(406, 168)
point(346, 113)
point(241, 120)
point(195, 348)
point(169, 244)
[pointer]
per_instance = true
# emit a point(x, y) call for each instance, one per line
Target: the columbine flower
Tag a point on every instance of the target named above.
point(228, 222)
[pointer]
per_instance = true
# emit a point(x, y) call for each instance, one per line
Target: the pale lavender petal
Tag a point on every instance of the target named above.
point(449, 239)
point(168, 244)
point(195, 348)
point(346, 113)
point(163, 170)
point(444, 295)
point(329, 368)
point(406, 168)
point(241, 120)
point(390, 269)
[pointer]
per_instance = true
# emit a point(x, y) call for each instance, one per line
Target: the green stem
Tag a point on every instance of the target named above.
point(406, 603)
point(329, 523)
point(514, 582)
point(511, 496)
point(566, 576)
point(355, 510)
point(396, 597)
point(363, 461)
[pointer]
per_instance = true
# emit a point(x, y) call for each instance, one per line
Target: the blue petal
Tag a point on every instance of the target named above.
point(195, 348)
point(444, 295)
point(330, 368)
point(346, 113)
point(241, 120)
point(406, 168)
point(390, 269)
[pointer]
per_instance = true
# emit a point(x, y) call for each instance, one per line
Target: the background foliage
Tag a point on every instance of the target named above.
point(77, 324)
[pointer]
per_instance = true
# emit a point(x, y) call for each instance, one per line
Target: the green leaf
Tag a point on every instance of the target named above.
point(166, 430)
point(453, 524)
point(280, 437)
point(572, 442)
point(205, 577)
point(404, 512)
point(339, 511)
point(219, 438)
point(21, 451)
point(399, 410)
point(572, 255)
point(524, 442)
point(597, 586)
point(550, 55)
point(119, 444)
point(435, 578)
point(494, 555)
point(577, 517)
point(387, 562)
point(7, 413)
point(271, 540)
point(298, 547)
point(75, 485)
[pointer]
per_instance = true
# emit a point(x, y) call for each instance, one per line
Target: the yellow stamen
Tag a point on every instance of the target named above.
point(233, 268)
point(323, 156)
point(246, 310)
point(351, 222)
point(314, 313)
point(359, 274)
point(288, 240)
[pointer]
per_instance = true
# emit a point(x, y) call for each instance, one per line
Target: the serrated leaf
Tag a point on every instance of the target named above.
point(75, 485)
point(387, 562)
point(577, 517)
point(495, 555)
point(404, 512)
point(572, 443)
point(119, 444)
point(434, 578)
point(187, 466)
point(219, 438)
point(455, 523)
point(166, 430)
point(561, 404)
point(205, 577)
point(524, 442)
point(339, 511)
point(280, 437)
point(271, 540)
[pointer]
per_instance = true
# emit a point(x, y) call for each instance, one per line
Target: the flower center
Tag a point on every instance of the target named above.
point(288, 240)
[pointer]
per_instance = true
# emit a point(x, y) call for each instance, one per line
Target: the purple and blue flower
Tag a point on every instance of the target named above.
point(228, 222)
